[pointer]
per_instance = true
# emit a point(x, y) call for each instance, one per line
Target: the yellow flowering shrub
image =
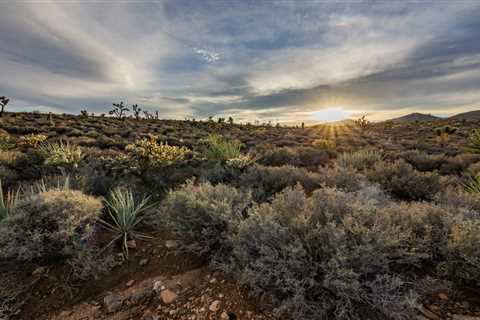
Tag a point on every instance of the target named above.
point(148, 153)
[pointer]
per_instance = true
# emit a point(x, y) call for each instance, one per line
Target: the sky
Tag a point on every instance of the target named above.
point(280, 61)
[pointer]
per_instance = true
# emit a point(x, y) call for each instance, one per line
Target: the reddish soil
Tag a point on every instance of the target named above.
point(51, 296)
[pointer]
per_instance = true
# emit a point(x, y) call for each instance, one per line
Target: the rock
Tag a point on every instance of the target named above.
point(143, 262)
point(170, 244)
point(443, 296)
point(130, 283)
point(224, 316)
point(38, 271)
point(214, 306)
point(158, 286)
point(113, 302)
point(132, 244)
point(168, 296)
point(427, 313)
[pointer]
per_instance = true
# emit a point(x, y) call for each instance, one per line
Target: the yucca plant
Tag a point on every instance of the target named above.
point(126, 214)
point(474, 141)
point(473, 185)
point(63, 183)
point(359, 160)
point(7, 201)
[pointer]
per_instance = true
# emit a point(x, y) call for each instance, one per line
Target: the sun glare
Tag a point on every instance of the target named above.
point(331, 114)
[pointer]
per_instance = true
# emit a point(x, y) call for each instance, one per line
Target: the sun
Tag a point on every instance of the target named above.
point(331, 114)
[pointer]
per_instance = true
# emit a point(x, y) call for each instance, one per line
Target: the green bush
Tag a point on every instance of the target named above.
point(46, 224)
point(221, 149)
point(204, 216)
point(401, 180)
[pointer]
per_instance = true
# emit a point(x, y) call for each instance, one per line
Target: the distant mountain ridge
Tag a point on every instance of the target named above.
point(416, 116)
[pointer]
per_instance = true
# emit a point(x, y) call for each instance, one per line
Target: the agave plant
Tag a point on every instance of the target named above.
point(8, 201)
point(473, 185)
point(126, 214)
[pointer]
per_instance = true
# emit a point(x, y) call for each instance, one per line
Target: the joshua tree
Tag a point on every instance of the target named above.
point(118, 110)
point(84, 113)
point(443, 133)
point(136, 111)
point(3, 102)
point(221, 120)
point(303, 125)
point(362, 123)
point(230, 120)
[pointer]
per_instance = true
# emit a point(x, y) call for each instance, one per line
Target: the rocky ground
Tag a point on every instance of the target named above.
point(154, 284)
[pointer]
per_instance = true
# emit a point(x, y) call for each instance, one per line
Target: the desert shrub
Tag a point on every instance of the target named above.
point(324, 144)
point(279, 157)
point(7, 175)
point(458, 164)
point(359, 160)
point(222, 149)
point(89, 262)
point(5, 141)
point(313, 157)
point(266, 181)
point(32, 140)
point(326, 256)
point(29, 165)
point(149, 153)
point(8, 201)
point(342, 178)
point(46, 224)
point(204, 216)
point(401, 180)
point(474, 141)
point(463, 253)
point(422, 161)
point(61, 154)
point(458, 198)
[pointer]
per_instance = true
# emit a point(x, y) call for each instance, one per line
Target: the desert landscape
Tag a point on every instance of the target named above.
point(239, 160)
point(118, 217)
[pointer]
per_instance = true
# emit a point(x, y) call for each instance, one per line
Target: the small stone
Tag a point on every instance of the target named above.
point(132, 244)
point(143, 262)
point(65, 314)
point(112, 302)
point(130, 283)
point(170, 244)
point(38, 271)
point(214, 306)
point(168, 296)
point(427, 313)
point(224, 316)
point(443, 296)
point(158, 286)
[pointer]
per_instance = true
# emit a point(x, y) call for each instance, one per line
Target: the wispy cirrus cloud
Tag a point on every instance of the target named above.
point(277, 61)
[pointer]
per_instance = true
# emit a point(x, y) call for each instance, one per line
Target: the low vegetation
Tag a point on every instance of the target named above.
point(321, 223)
